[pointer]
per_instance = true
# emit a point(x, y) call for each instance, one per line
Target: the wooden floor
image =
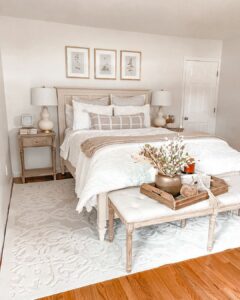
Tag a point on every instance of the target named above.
point(213, 277)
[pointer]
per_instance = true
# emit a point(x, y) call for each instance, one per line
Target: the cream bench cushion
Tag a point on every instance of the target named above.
point(136, 207)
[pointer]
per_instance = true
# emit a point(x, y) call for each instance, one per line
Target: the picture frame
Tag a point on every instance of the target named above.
point(77, 62)
point(130, 65)
point(105, 64)
point(27, 121)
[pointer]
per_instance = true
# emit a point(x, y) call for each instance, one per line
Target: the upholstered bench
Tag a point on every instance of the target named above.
point(226, 202)
point(137, 210)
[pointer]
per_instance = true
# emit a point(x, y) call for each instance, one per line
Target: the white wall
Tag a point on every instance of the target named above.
point(228, 116)
point(33, 55)
point(5, 166)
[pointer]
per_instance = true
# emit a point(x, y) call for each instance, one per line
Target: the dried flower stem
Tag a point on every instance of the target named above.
point(169, 158)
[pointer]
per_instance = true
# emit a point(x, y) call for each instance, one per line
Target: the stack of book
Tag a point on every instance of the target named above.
point(28, 131)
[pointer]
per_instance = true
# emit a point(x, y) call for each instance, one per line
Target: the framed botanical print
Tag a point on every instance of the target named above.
point(77, 62)
point(130, 65)
point(105, 63)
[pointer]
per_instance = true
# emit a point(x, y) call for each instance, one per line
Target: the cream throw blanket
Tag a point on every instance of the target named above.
point(91, 145)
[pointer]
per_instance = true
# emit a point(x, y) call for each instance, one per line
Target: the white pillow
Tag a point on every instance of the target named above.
point(132, 110)
point(69, 108)
point(81, 119)
point(69, 115)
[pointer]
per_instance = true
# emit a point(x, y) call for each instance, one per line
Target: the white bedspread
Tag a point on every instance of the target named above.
point(113, 167)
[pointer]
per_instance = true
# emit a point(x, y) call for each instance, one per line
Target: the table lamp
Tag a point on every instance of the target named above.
point(160, 99)
point(44, 97)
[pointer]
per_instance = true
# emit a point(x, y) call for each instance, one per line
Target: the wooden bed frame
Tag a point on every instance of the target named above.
point(65, 97)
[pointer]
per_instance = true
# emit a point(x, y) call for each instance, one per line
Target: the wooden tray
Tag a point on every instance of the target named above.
point(218, 187)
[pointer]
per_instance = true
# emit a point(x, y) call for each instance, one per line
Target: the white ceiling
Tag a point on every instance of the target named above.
point(215, 19)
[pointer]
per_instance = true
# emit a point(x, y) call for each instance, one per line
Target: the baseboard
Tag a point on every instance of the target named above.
point(5, 226)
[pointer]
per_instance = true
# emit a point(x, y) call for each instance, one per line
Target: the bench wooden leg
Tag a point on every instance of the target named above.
point(183, 223)
point(129, 247)
point(102, 215)
point(111, 222)
point(62, 166)
point(212, 223)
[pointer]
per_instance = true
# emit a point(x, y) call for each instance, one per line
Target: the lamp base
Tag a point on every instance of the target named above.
point(160, 121)
point(46, 131)
point(45, 124)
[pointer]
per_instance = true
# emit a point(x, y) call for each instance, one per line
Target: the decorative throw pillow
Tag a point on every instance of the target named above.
point(81, 118)
point(128, 101)
point(104, 122)
point(99, 101)
point(131, 110)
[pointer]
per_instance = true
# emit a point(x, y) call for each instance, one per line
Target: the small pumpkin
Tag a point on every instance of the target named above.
point(188, 190)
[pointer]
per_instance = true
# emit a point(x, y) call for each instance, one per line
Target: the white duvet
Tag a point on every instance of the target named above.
point(113, 167)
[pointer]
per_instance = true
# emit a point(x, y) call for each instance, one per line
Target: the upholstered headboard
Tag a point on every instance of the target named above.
point(65, 97)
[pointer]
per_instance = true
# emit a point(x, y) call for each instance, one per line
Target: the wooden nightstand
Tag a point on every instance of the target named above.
point(40, 139)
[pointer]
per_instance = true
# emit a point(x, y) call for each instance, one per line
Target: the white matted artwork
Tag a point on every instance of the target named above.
point(105, 63)
point(77, 62)
point(27, 121)
point(130, 65)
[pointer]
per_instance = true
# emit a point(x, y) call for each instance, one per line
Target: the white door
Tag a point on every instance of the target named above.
point(200, 95)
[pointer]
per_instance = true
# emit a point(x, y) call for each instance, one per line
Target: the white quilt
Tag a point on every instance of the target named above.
point(113, 167)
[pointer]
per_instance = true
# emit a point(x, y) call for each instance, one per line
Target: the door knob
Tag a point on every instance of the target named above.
point(185, 118)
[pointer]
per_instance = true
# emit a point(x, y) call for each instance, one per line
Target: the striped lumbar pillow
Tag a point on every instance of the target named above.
point(104, 122)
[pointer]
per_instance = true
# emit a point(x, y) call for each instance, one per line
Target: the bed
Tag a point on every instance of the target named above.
point(113, 167)
point(65, 96)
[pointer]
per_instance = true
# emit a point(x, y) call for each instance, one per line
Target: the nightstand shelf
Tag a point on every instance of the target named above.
point(40, 139)
point(38, 172)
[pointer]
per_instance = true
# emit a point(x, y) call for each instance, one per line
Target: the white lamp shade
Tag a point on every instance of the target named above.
point(44, 96)
point(161, 98)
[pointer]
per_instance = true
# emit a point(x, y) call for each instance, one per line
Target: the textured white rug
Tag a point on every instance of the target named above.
point(50, 248)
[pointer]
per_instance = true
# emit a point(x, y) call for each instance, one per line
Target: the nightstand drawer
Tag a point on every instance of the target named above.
point(37, 141)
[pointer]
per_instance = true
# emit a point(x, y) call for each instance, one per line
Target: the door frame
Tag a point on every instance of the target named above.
point(202, 59)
